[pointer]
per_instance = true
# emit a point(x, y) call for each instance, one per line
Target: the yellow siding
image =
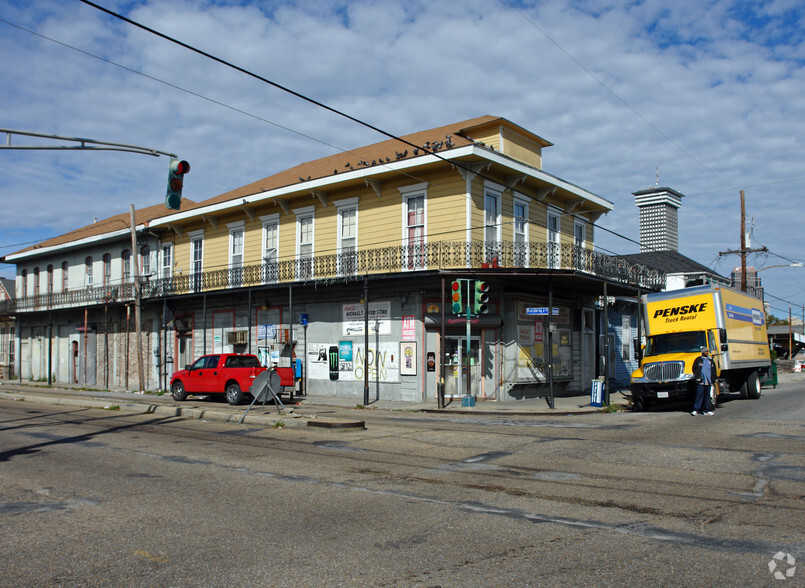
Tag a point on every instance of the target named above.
point(518, 147)
point(380, 220)
point(447, 209)
point(490, 136)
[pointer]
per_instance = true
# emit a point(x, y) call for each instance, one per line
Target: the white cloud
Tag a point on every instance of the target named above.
point(718, 84)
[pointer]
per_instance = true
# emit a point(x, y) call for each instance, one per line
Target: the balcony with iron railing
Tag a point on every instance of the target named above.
point(442, 255)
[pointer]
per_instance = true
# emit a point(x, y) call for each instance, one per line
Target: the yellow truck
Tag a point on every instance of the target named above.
point(731, 324)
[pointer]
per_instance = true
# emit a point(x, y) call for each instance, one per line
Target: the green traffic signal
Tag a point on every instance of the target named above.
point(176, 171)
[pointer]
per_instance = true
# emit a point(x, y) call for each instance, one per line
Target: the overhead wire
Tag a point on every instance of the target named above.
point(334, 110)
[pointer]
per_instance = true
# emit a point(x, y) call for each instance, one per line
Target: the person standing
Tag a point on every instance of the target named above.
point(704, 370)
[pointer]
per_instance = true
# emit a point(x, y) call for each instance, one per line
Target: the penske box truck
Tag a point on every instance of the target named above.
point(731, 324)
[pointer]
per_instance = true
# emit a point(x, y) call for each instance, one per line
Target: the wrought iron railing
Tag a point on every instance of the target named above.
point(457, 255)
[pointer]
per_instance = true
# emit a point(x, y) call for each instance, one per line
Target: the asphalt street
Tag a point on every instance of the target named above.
point(94, 497)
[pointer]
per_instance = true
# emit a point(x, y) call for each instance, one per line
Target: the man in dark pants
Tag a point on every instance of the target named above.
point(704, 370)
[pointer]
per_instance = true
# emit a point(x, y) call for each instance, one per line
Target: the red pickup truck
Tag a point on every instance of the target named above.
point(231, 374)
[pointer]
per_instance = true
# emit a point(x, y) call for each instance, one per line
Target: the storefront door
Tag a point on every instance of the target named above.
point(455, 372)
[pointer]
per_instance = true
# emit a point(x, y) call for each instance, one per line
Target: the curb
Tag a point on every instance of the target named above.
point(291, 420)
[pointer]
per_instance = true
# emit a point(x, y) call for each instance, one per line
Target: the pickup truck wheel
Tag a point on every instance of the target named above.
point(234, 395)
point(178, 392)
point(753, 386)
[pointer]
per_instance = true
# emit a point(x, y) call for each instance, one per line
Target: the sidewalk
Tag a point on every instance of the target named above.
point(324, 410)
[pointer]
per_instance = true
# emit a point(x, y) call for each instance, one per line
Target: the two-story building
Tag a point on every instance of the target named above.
point(282, 267)
point(7, 329)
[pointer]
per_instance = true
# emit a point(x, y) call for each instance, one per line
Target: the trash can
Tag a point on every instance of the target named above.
point(770, 378)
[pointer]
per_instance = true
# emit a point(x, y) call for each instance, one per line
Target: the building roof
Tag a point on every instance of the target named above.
point(376, 155)
point(658, 190)
point(8, 285)
point(109, 226)
point(670, 262)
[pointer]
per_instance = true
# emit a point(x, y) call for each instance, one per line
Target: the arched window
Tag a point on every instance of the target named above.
point(145, 256)
point(65, 275)
point(107, 269)
point(88, 272)
point(36, 281)
point(50, 279)
point(24, 284)
point(126, 258)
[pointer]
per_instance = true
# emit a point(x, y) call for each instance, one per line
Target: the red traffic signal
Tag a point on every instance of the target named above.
point(458, 303)
point(178, 168)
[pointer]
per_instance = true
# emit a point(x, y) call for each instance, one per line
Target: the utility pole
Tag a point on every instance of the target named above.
point(137, 319)
point(743, 250)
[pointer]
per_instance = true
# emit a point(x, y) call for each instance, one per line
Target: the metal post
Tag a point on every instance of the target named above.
point(164, 381)
point(290, 331)
point(50, 347)
point(106, 346)
point(606, 345)
point(366, 340)
point(468, 392)
point(550, 345)
point(440, 383)
point(137, 294)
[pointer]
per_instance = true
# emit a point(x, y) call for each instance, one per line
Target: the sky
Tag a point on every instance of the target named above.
point(705, 97)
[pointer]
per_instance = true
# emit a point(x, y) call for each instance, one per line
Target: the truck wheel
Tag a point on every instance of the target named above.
point(713, 397)
point(638, 404)
point(752, 386)
point(178, 392)
point(234, 396)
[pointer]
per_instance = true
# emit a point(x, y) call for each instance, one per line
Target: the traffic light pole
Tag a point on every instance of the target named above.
point(468, 395)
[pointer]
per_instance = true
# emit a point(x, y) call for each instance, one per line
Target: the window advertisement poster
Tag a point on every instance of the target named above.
point(408, 358)
point(352, 321)
point(345, 356)
point(349, 362)
point(317, 352)
point(408, 328)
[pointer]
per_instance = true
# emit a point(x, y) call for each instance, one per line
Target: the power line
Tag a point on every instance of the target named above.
point(621, 100)
point(310, 100)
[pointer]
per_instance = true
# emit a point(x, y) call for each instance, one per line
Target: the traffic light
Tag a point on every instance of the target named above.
point(458, 303)
point(481, 298)
point(178, 168)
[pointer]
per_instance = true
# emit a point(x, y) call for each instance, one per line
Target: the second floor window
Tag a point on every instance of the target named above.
point(306, 246)
point(347, 240)
point(414, 254)
point(520, 214)
point(145, 254)
point(107, 269)
point(24, 284)
point(88, 272)
point(36, 281)
point(125, 258)
point(553, 250)
point(167, 261)
point(236, 254)
point(197, 259)
point(270, 250)
point(65, 276)
point(492, 200)
point(50, 280)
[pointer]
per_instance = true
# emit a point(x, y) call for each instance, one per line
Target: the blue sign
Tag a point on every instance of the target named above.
point(540, 310)
point(266, 331)
point(303, 319)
